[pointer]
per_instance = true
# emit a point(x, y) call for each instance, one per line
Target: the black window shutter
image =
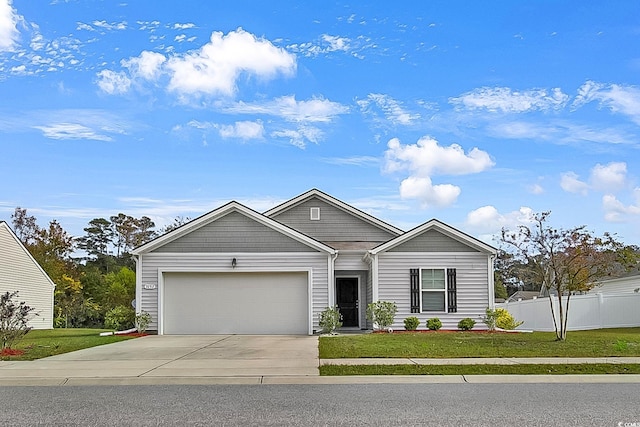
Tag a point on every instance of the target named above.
point(414, 276)
point(452, 298)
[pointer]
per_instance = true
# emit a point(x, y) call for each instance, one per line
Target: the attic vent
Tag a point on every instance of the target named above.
point(315, 214)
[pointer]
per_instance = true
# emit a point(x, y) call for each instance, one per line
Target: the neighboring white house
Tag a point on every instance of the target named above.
point(622, 285)
point(20, 272)
point(235, 270)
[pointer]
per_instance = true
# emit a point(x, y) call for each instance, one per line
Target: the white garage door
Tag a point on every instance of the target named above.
point(235, 303)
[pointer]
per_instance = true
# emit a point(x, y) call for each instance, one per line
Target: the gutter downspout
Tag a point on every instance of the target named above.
point(491, 273)
point(138, 283)
point(332, 279)
point(374, 279)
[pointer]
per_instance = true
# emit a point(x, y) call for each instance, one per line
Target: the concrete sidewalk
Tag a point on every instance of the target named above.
point(242, 359)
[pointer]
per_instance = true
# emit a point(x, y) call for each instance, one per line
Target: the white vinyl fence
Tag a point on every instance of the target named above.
point(591, 311)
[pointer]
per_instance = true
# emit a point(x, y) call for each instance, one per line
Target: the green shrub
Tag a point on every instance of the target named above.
point(505, 320)
point(142, 321)
point(382, 313)
point(411, 323)
point(466, 324)
point(330, 320)
point(13, 319)
point(59, 322)
point(434, 324)
point(490, 318)
point(119, 318)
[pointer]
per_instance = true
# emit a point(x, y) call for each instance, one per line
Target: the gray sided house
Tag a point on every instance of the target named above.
point(20, 272)
point(621, 285)
point(237, 271)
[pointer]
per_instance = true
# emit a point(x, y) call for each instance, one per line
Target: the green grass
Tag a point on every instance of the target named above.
point(446, 344)
point(601, 368)
point(42, 343)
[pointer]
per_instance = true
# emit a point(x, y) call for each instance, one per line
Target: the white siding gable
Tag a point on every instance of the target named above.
point(20, 272)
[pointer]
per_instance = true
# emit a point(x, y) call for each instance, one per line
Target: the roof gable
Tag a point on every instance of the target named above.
point(356, 213)
point(441, 229)
point(10, 245)
point(199, 224)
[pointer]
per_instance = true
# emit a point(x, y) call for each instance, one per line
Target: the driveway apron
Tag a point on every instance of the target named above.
point(172, 356)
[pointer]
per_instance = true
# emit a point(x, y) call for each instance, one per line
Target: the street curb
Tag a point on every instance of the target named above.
point(323, 380)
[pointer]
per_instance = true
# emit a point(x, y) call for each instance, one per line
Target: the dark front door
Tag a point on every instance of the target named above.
point(347, 300)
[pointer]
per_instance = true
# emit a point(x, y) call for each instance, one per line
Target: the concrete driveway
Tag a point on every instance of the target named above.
point(246, 358)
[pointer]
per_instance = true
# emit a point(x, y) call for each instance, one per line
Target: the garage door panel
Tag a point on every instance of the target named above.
point(235, 303)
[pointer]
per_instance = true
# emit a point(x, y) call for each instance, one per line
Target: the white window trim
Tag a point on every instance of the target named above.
point(445, 290)
point(314, 214)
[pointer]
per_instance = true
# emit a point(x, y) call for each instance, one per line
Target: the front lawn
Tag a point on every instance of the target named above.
point(453, 344)
point(42, 343)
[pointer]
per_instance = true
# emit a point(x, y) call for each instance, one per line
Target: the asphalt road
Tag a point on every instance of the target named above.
point(313, 405)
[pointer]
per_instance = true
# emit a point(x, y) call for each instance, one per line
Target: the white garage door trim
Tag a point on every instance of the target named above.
point(309, 272)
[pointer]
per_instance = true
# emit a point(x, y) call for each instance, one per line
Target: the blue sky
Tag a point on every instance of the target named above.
point(475, 113)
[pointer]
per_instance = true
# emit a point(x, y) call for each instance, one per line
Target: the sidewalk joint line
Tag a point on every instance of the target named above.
point(182, 357)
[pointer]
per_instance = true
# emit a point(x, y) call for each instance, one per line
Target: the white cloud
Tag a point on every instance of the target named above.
point(336, 43)
point(148, 25)
point(71, 131)
point(559, 131)
point(422, 188)
point(571, 183)
point(536, 189)
point(146, 66)
point(353, 160)
point(610, 177)
point(183, 26)
point(507, 100)
point(113, 83)
point(286, 107)
point(201, 125)
point(428, 157)
point(215, 68)
point(618, 98)
point(326, 44)
point(392, 109)
point(488, 220)
point(211, 70)
point(242, 130)
point(8, 31)
point(83, 26)
point(299, 137)
point(616, 211)
point(110, 25)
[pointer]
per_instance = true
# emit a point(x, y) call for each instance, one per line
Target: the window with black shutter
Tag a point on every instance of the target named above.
point(433, 290)
point(414, 279)
point(452, 297)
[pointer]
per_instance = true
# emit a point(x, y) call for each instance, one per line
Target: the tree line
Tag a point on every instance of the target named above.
point(100, 283)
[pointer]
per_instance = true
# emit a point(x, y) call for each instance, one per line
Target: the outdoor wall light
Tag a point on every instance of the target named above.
point(233, 263)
